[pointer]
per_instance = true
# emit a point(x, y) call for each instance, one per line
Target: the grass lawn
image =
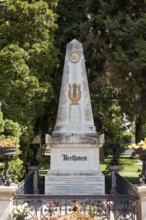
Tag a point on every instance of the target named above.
point(130, 168)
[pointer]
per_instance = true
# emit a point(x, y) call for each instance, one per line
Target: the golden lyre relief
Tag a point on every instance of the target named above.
point(74, 93)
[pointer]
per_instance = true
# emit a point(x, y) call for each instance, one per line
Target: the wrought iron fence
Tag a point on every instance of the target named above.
point(122, 206)
point(107, 207)
point(123, 186)
point(26, 185)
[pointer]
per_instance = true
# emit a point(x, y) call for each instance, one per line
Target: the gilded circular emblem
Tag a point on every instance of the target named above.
point(74, 57)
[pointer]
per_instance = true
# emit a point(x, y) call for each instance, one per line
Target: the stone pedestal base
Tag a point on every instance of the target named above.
point(6, 202)
point(74, 166)
point(141, 192)
point(114, 170)
point(34, 169)
point(75, 183)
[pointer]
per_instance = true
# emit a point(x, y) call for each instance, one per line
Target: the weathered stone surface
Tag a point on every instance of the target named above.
point(75, 184)
point(74, 118)
point(75, 139)
point(6, 201)
point(74, 144)
point(75, 158)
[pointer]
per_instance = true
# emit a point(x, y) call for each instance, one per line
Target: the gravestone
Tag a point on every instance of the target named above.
point(74, 144)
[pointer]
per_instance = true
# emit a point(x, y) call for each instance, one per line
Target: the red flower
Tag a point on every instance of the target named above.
point(75, 208)
point(56, 203)
point(50, 203)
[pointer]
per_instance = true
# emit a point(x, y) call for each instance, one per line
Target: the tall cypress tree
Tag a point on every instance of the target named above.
point(116, 41)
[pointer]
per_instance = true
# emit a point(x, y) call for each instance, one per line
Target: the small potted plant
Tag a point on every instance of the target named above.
point(139, 148)
point(20, 211)
point(7, 147)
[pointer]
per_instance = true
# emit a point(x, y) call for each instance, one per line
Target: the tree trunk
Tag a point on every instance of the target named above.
point(138, 129)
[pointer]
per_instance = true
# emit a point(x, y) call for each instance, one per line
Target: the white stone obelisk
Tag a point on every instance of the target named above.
point(74, 118)
point(74, 144)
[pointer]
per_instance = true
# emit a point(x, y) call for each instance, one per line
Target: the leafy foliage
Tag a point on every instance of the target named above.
point(11, 131)
point(28, 57)
point(114, 37)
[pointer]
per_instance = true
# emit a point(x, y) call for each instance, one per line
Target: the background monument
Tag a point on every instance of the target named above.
point(74, 144)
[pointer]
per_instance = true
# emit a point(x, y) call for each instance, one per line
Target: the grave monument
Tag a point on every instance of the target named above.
point(74, 144)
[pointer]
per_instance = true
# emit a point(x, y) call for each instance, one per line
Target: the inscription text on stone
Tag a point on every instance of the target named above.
point(73, 158)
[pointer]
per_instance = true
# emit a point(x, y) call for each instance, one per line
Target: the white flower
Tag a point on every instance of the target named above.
point(18, 207)
point(20, 210)
point(25, 205)
point(15, 212)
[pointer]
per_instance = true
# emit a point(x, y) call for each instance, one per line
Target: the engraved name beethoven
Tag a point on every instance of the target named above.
point(73, 158)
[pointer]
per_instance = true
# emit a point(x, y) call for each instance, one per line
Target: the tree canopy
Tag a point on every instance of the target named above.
point(28, 57)
point(115, 39)
point(33, 38)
